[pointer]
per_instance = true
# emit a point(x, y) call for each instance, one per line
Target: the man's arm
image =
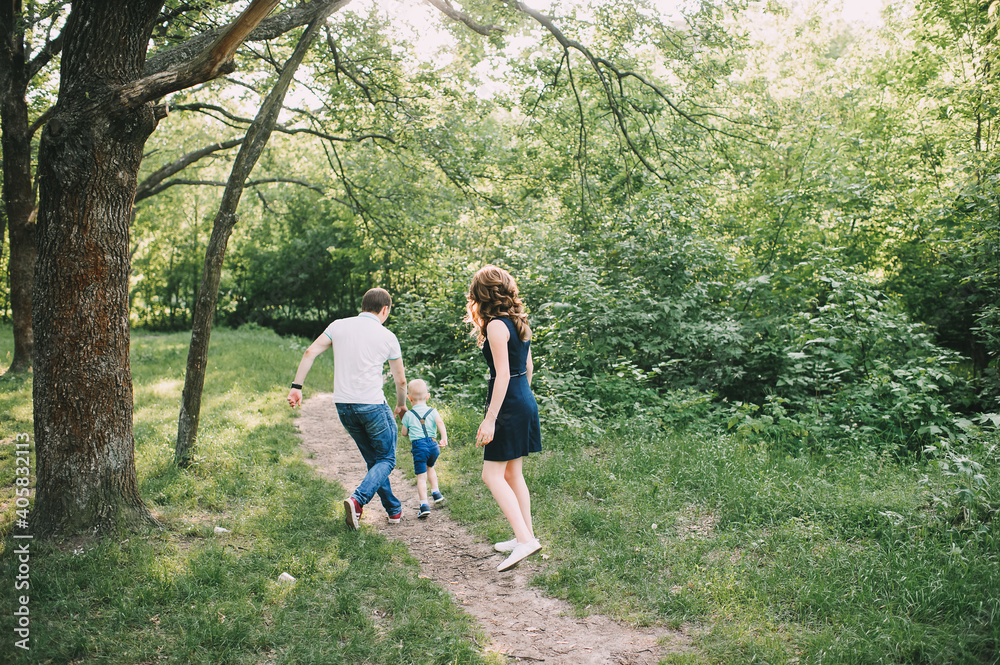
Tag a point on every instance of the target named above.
point(399, 375)
point(321, 344)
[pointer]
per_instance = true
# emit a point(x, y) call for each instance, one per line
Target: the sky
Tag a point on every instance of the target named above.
point(424, 19)
point(418, 12)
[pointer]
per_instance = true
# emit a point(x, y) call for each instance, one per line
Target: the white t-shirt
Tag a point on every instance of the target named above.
point(361, 346)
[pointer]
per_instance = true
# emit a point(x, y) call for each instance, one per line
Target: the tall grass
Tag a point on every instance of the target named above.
point(188, 595)
point(764, 557)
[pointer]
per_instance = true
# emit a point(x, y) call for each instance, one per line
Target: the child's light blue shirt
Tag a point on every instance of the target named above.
point(412, 423)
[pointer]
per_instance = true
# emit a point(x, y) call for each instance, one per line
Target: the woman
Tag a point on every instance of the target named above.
point(510, 428)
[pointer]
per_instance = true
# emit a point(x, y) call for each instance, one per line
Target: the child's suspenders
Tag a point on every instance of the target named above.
point(422, 424)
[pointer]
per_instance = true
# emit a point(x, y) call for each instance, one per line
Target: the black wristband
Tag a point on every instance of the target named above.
point(296, 386)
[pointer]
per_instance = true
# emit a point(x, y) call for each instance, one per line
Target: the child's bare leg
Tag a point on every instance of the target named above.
point(493, 476)
point(422, 487)
point(432, 479)
point(514, 476)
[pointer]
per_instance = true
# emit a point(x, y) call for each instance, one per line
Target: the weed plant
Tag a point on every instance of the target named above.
point(188, 595)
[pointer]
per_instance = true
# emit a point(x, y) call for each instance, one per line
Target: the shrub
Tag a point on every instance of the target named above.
point(856, 366)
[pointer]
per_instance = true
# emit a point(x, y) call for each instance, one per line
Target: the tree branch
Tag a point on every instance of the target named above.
point(204, 108)
point(597, 62)
point(446, 7)
point(284, 129)
point(48, 51)
point(153, 191)
point(290, 181)
point(40, 121)
point(270, 28)
point(601, 67)
point(148, 187)
point(211, 63)
point(331, 137)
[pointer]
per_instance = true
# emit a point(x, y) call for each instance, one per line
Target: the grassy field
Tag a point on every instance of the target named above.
point(768, 559)
point(186, 595)
point(765, 558)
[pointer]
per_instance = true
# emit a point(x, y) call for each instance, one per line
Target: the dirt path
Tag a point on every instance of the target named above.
point(523, 624)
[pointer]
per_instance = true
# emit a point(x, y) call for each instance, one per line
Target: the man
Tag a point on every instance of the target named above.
point(361, 346)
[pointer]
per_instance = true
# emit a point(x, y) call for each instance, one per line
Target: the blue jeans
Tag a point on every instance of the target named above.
point(374, 431)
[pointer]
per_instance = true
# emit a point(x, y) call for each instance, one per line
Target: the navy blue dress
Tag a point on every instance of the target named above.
point(517, 429)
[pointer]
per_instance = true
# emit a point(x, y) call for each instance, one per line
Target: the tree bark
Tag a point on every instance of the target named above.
point(256, 138)
point(89, 155)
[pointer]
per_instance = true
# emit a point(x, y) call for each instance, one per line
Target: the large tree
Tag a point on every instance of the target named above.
point(89, 157)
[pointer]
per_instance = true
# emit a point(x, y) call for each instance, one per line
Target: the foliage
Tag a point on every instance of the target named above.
point(856, 368)
point(702, 275)
point(299, 277)
point(959, 491)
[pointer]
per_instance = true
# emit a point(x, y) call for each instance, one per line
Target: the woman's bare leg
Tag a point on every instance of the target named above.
point(503, 494)
point(514, 477)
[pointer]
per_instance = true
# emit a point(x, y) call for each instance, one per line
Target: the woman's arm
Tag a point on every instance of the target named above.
point(531, 367)
point(497, 334)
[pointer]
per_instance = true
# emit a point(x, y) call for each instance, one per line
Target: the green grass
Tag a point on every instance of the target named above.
point(766, 558)
point(186, 595)
point(763, 557)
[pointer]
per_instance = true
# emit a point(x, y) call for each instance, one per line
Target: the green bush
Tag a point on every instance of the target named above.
point(856, 366)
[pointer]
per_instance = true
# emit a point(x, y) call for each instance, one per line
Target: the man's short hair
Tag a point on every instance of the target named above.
point(375, 299)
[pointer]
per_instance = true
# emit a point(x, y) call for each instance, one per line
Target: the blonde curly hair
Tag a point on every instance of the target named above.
point(493, 294)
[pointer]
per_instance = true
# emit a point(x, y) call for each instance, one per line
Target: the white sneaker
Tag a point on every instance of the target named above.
point(506, 546)
point(521, 552)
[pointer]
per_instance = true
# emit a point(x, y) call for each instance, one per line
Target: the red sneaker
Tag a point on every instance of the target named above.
point(352, 513)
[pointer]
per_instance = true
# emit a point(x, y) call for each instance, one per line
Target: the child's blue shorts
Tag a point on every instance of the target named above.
point(425, 452)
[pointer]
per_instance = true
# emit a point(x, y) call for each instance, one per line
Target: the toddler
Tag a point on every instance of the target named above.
point(421, 425)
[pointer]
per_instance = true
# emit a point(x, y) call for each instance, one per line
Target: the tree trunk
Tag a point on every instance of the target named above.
point(88, 163)
point(19, 200)
point(22, 270)
point(89, 156)
point(256, 138)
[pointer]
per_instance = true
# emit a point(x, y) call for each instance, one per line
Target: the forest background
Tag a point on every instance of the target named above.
point(779, 226)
